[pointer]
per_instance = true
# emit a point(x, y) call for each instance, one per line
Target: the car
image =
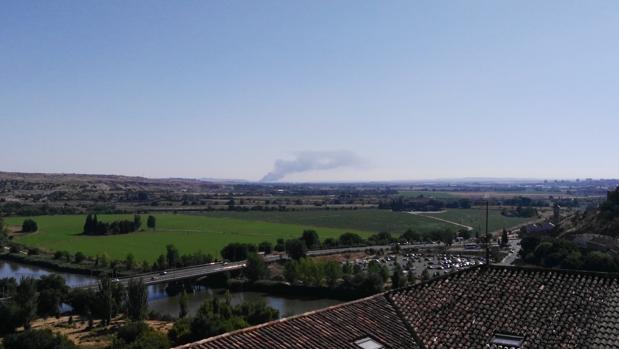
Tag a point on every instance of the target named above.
point(116, 280)
point(163, 273)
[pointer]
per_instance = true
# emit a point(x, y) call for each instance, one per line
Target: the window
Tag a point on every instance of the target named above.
point(368, 343)
point(507, 340)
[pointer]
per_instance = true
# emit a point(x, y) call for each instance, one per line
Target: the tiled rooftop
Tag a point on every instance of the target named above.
point(548, 308)
point(335, 327)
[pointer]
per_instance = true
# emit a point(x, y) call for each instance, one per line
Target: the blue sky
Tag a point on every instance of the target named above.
point(410, 89)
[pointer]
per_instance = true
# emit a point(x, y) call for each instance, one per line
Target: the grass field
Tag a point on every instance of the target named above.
point(476, 218)
point(210, 232)
point(189, 233)
point(373, 220)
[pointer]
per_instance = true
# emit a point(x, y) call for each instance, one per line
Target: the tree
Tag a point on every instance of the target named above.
point(599, 261)
point(398, 279)
point(130, 262)
point(215, 317)
point(333, 272)
point(172, 256)
point(280, 246)
point(180, 333)
point(256, 269)
point(29, 226)
point(237, 251)
point(376, 268)
point(3, 235)
point(256, 312)
point(504, 238)
point(382, 238)
point(138, 335)
point(9, 318)
point(265, 247)
point(53, 291)
point(296, 249)
point(137, 300)
point(37, 339)
point(311, 239)
point(350, 239)
point(411, 236)
point(160, 264)
point(79, 257)
point(182, 304)
point(110, 298)
point(89, 226)
point(151, 222)
point(82, 300)
point(137, 222)
point(26, 299)
point(291, 273)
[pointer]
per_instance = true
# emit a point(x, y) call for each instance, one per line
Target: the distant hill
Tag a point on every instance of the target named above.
point(604, 220)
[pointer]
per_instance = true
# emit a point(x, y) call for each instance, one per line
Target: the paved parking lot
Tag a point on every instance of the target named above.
point(436, 263)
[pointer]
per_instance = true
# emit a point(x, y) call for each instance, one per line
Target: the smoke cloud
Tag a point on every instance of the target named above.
point(311, 161)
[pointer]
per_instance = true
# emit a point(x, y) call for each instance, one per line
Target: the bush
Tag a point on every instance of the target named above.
point(37, 339)
point(79, 257)
point(29, 226)
point(180, 333)
point(138, 335)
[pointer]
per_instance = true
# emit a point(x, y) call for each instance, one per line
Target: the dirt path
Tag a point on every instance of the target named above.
point(469, 228)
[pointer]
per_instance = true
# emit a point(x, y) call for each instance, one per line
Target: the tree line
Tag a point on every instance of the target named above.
point(94, 226)
point(552, 253)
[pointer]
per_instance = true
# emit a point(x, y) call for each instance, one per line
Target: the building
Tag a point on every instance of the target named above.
point(545, 228)
point(481, 307)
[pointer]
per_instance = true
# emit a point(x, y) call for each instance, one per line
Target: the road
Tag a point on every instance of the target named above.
point(512, 256)
point(171, 275)
point(469, 228)
point(198, 271)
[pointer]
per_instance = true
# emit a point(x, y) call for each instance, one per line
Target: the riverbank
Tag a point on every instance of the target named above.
point(48, 262)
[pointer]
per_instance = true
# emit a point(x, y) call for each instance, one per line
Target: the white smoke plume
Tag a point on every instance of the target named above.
point(311, 161)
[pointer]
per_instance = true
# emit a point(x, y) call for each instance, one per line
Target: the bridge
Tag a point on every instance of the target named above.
point(198, 271)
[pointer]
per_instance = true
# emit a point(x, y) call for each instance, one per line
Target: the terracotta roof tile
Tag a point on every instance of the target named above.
point(334, 327)
point(549, 308)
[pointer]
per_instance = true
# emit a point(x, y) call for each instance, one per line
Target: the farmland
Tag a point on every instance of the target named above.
point(372, 220)
point(190, 233)
point(210, 232)
point(475, 217)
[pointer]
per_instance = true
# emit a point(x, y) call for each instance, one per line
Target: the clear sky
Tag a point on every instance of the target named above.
point(363, 90)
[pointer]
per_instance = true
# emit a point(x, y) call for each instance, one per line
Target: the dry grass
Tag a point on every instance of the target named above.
point(96, 337)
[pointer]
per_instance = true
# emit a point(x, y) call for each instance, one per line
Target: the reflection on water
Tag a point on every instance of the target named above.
point(18, 271)
point(164, 304)
point(160, 302)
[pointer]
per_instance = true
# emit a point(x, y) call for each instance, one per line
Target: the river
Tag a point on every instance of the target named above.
point(160, 301)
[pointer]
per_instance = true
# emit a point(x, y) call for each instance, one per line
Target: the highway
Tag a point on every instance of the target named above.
point(171, 275)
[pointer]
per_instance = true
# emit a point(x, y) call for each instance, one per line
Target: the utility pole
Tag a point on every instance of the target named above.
point(487, 235)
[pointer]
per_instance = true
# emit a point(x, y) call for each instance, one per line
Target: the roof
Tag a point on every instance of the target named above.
point(334, 327)
point(549, 308)
point(546, 307)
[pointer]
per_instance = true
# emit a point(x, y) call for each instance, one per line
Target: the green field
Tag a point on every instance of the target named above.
point(372, 220)
point(189, 233)
point(476, 218)
point(210, 232)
